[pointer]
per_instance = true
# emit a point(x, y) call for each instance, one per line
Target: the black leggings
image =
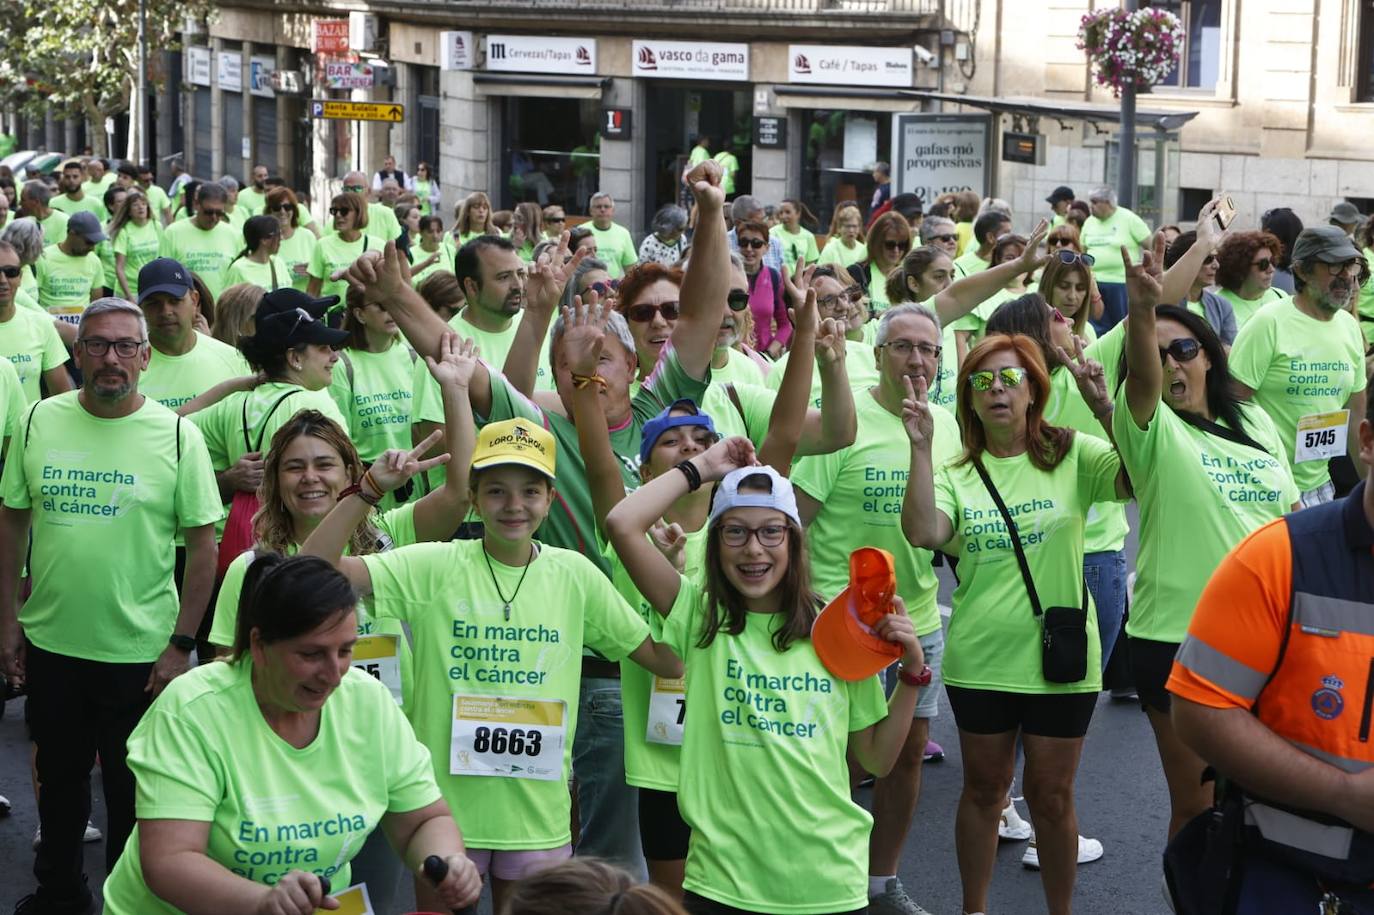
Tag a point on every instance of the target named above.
point(700, 905)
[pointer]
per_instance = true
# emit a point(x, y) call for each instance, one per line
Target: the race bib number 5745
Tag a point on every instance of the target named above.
point(512, 738)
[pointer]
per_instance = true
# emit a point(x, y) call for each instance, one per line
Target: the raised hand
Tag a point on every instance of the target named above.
point(1143, 280)
point(1031, 258)
point(805, 315)
point(550, 276)
point(704, 180)
point(1088, 374)
point(671, 542)
point(724, 456)
point(1209, 232)
point(584, 334)
point(382, 275)
point(830, 341)
point(457, 361)
point(396, 466)
point(796, 283)
point(917, 419)
point(896, 627)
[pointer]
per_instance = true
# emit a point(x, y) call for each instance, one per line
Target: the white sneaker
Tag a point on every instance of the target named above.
point(91, 835)
point(4, 806)
point(1089, 850)
point(1012, 827)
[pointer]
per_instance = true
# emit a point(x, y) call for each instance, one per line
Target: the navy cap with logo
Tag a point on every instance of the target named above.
point(163, 275)
point(287, 318)
point(1061, 193)
point(87, 226)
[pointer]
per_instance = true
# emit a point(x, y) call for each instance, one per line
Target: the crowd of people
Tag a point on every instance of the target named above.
point(504, 539)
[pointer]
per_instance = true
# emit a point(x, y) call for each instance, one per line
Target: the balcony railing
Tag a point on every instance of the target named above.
point(738, 7)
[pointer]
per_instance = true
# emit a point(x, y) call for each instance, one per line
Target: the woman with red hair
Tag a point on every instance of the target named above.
point(1022, 657)
point(1246, 262)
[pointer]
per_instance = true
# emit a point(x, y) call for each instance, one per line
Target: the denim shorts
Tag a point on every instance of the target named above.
point(928, 702)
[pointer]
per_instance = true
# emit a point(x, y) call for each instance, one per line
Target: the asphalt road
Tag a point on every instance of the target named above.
point(1121, 796)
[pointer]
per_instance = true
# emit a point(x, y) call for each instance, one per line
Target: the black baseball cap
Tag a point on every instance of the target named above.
point(1328, 244)
point(1063, 192)
point(288, 317)
point(164, 274)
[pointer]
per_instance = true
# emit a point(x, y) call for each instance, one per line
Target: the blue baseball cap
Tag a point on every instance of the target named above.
point(664, 421)
point(165, 275)
point(86, 225)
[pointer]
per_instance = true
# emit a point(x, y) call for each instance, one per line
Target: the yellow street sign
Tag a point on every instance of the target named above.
point(357, 111)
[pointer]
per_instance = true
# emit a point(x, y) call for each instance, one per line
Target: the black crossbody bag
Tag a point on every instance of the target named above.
point(1064, 630)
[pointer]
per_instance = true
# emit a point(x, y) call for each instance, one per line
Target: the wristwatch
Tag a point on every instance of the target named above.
point(183, 642)
point(919, 679)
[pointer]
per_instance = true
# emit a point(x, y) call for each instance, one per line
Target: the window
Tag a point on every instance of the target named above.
point(837, 161)
point(1199, 60)
point(1364, 63)
point(552, 154)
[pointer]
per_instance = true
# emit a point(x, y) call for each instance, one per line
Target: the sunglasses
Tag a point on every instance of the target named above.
point(1184, 349)
point(1057, 242)
point(339, 211)
point(1071, 257)
point(643, 314)
point(11, 271)
point(1263, 264)
point(285, 208)
point(894, 245)
point(945, 238)
point(738, 299)
point(1011, 377)
point(355, 188)
point(754, 243)
point(604, 288)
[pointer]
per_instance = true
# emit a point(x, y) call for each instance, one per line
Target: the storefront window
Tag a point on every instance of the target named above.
point(552, 152)
point(838, 156)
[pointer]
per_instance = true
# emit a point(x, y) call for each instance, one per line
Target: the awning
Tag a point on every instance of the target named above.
point(540, 85)
point(866, 98)
point(1153, 118)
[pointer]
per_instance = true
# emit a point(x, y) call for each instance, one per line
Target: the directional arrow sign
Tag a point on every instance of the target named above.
point(357, 111)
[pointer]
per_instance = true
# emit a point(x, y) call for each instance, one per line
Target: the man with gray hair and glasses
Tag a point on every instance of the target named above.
point(102, 478)
point(1105, 233)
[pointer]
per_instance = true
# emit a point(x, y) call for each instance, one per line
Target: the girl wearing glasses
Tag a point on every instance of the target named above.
point(1208, 469)
point(767, 298)
point(889, 239)
point(1246, 262)
point(338, 251)
point(767, 726)
point(1050, 477)
point(259, 262)
point(135, 237)
point(845, 246)
point(297, 247)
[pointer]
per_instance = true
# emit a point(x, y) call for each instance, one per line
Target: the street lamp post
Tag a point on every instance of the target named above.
point(1125, 170)
point(141, 85)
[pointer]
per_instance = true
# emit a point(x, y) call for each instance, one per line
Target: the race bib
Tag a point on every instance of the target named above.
point(380, 656)
point(352, 901)
point(512, 738)
point(667, 711)
point(1321, 436)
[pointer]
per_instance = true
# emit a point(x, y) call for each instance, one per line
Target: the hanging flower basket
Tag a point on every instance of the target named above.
point(1143, 45)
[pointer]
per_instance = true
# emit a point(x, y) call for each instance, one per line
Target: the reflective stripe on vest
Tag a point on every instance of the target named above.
point(1299, 832)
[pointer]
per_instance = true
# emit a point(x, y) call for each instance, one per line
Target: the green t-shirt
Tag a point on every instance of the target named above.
point(969, 263)
point(139, 245)
point(859, 365)
point(30, 342)
point(419, 255)
point(1299, 367)
point(466, 644)
point(175, 380)
point(207, 254)
point(377, 399)
point(296, 252)
point(274, 274)
point(252, 201)
point(994, 638)
point(113, 492)
point(649, 764)
point(1103, 239)
point(945, 393)
point(90, 202)
point(1199, 495)
point(13, 405)
point(382, 223)
point(860, 489)
point(768, 731)
point(749, 419)
point(571, 523)
point(157, 199)
point(1107, 525)
point(54, 227)
point(240, 422)
point(835, 252)
point(615, 248)
point(204, 753)
point(333, 253)
point(65, 283)
point(877, 289)
point(698, 155)
point(1366, 303)
point(108, 278)
point(739, 369)
point(976, 321)
point(1245, 309)
point(801, 244)
point(398, 527)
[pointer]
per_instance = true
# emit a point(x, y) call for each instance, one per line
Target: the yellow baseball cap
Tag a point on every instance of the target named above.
point(516, 441)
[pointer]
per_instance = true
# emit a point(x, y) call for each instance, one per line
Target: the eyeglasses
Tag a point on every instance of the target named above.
point(339, 211)
point(555, 219)
point(604, 288)
point(948, 238)
point(754, 243)
point(643, 314)
point(1072, 257)
point(891, 244)
point(1184, 349)
point(11, 271)
point(98, 346)
point(738, 299)
point(738, 534)
point(1350, 267)
point(843, 297)
point(1263, 264)
point(1011, 377)
point(355, 188)
point(902, 349)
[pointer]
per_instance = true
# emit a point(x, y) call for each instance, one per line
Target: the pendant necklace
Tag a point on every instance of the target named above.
point(505, 604)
